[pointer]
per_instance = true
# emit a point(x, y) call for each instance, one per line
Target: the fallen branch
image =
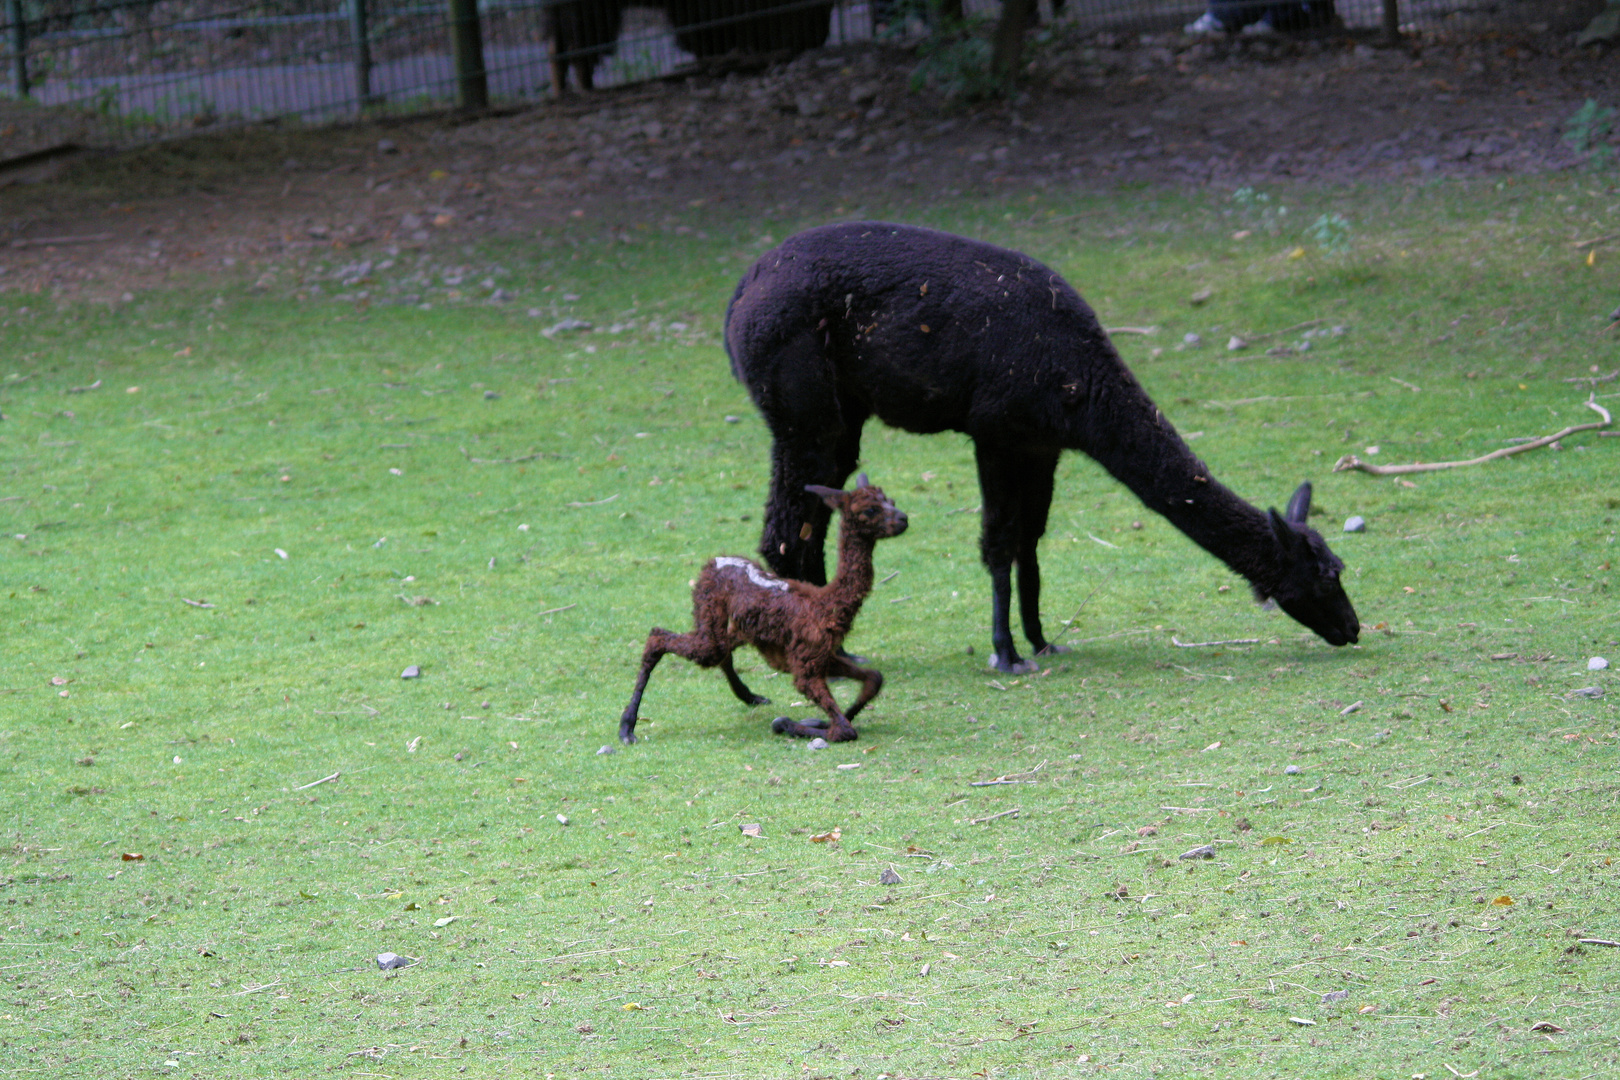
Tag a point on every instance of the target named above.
point(1594, 380)
point(553, 611)
point(981, 820)
point(1284, 330)
point(1600, 941)
point(1351, 462)
point(196, 603)
point(1205, 644)
point(318, 783)
point(501, 460)
point(1144, 330)
point(598, 502)
point(1596, 240)
point(61, 241)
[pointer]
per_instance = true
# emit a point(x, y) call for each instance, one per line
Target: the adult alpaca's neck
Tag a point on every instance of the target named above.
point(1130, 437)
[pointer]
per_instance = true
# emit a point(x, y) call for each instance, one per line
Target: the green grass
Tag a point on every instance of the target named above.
point(553, 523)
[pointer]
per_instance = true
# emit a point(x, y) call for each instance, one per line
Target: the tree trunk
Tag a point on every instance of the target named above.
point(1008, 45)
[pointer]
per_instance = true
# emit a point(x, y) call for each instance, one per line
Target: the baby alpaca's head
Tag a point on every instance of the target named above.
point(865, 509)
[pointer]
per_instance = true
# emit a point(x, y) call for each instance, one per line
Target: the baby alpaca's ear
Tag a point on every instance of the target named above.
point(831, 496)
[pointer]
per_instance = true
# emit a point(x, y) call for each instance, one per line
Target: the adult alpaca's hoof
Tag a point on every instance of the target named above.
point(760, 699)
point(627, 737)
point(1014, 667)
point(1052, 648)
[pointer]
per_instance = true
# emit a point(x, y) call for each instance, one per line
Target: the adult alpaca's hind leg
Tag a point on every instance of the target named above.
point(1004, 477)
point(816, 439)
point(1034, 504)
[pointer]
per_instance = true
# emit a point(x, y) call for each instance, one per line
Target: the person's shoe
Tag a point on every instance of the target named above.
point(1263, 28)
point(1204, 26)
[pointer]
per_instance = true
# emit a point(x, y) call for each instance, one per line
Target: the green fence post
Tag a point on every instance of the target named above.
point(467, 47)
point(19, 47)
point(362, 53)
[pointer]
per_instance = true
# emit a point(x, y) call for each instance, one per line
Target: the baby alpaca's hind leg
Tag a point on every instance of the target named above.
point(697, 647)
point(740, 688)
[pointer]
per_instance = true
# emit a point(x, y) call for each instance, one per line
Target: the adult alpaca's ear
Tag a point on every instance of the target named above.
point(1286, 534)
point(831, 496)
point(1299, 505)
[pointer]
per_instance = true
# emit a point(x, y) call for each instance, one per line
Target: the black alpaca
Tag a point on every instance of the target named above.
point(932, 332)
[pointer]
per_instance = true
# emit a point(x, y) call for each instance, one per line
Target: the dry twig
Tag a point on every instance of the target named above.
point(1205, 644)
point(317, 783)
point(1351, 462)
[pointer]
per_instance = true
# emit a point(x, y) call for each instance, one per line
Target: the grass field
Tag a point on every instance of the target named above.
point(235, 516)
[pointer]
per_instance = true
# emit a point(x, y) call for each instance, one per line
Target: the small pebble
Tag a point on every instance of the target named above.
point(1335, 995)
point(1203, 851)
point(1192, 339)
point(562, 819)
point(1597, 663)
point(607, 750)
point(387, 146)
point(1355, 523)
point(1291, 770)
point(1586, 691)
point(733, 419)
point(888, 877)
point(411, 672)
point(817, 744)
point(490, 395)
point(753, 828)
point(1236, 344)
point(389, 961)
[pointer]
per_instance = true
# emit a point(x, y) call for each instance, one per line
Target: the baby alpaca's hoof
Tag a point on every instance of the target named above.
point(1014, 667)
point(786, 725)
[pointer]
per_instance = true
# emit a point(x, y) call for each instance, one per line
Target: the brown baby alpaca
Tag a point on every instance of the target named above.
point(797, 627)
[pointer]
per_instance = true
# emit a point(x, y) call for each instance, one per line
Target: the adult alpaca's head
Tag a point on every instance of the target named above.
point(1307, 585)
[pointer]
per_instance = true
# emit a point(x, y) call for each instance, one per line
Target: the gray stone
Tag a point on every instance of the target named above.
point(1203, 851)
point(1291, 770)
point(1355, 523)
point(411, 672)
point(389, 961)
point(817, 744)
point(606, 750)
point(1597, 663)
point(888, 877)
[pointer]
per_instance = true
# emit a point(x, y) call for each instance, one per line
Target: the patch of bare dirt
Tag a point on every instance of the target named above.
point(831, 134)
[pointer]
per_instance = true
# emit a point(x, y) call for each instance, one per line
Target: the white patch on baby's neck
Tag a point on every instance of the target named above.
point(755, 574)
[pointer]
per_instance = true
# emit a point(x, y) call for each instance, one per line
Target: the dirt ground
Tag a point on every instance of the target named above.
point(831, 134)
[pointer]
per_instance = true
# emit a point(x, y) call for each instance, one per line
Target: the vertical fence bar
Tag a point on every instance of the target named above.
point(19, 47)
point(467, 47)
point(1392, 20)
point(362, 53)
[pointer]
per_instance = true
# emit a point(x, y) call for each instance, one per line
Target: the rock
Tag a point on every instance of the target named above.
point(733, 419)
point(1335, 995)
point(490, 395)
point(412, 672)
point(1355, 523)
point(1586, 692)
point(1292, 770)
point(1192, 340)
point(1202, 296)
point(888, 877)
point(752, 829)
point(864, 93)
point(1597, 663)
point(606, 750)
point(387, 146)
point(1235, 344)
point(817, 744)
point(1203, 851)
point(562, 819)
point(389, 961)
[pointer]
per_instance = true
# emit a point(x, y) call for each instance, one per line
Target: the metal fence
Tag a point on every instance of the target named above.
point(125, 71)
